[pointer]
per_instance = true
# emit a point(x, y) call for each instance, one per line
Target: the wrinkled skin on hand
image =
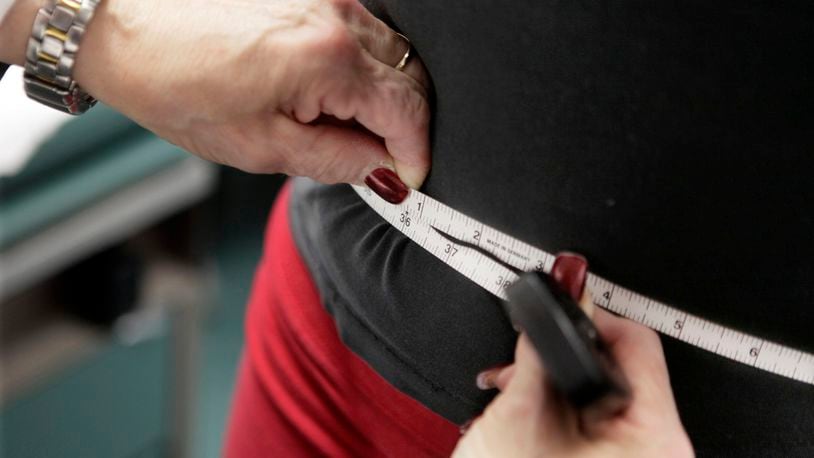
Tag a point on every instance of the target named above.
point(302, 87)
point(529, 419)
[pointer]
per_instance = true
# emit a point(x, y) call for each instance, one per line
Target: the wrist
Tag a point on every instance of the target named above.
point(91, 51)
point(15, 29)
point(109, 49)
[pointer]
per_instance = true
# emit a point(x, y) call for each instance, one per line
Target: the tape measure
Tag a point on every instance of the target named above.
point(459, 241)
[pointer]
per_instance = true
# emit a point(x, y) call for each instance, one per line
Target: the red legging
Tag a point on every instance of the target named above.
point(300, 391)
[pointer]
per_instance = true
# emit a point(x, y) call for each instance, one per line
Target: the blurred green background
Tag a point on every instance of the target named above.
point(104, 354)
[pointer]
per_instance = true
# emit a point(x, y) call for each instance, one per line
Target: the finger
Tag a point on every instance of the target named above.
point(380, 41)
point(586, 305)
point(503, 377)
point(528, 378)
point(496, 377)
point(640, 356)
point(327, 152)
point(569, 272)
point(351, 84)
point(394, 106)
point(529, 384)
point(414, 67)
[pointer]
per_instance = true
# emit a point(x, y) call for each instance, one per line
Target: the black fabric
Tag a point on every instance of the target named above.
point(3, 68)
point(669, 142)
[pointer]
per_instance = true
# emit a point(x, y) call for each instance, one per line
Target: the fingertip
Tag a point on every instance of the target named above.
point(569, 271)
point(387, 185)
point(486, 379)
point(412, 176)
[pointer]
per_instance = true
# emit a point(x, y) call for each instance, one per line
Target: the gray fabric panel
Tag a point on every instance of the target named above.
point(670, 142)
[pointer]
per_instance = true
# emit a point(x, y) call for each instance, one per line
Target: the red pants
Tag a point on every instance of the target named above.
point(300, 391)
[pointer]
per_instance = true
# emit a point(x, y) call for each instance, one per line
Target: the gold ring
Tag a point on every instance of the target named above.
point(406, 57)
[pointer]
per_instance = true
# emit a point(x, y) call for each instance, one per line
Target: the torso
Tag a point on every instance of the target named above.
point(670, 144)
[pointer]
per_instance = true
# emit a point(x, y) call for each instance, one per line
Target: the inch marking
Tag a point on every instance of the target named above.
point(490, 259)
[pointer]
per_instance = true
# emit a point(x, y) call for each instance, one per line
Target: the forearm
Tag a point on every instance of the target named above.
point(110, 20)
point(15, 30)
point(244, 82)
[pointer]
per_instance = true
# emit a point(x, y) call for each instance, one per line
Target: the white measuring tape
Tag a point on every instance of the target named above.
point(419, 216)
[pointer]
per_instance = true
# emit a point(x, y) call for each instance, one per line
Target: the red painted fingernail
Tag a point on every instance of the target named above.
point(387, 185)
point(569, 272)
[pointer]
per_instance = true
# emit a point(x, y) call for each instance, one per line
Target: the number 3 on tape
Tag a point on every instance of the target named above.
point(458, 240)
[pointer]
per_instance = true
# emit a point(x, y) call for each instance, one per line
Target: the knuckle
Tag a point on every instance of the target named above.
point(416, 107)
point(344, 111)
point(333, 40)
point(411, 103)
point(421, 108)
point(413, 96)
point(344, 8)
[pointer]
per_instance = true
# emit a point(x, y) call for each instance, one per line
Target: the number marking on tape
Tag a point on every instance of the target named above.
point(423, 219)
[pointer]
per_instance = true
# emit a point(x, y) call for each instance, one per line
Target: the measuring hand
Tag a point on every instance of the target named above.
point(462, 243)
point(575, 358)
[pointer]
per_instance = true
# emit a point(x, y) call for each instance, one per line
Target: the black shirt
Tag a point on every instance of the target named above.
point(672, 143)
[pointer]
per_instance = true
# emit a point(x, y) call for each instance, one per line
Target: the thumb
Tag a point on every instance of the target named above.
point(394, 106)
point(639, 353)
point(529, 386)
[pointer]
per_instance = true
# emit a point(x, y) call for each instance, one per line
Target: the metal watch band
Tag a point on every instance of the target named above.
point(51, 52)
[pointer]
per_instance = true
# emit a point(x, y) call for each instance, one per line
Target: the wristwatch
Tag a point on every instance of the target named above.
point(51, 53)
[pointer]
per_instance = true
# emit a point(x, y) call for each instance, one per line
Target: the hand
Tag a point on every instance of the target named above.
point(303, 87)
point(529, 419)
